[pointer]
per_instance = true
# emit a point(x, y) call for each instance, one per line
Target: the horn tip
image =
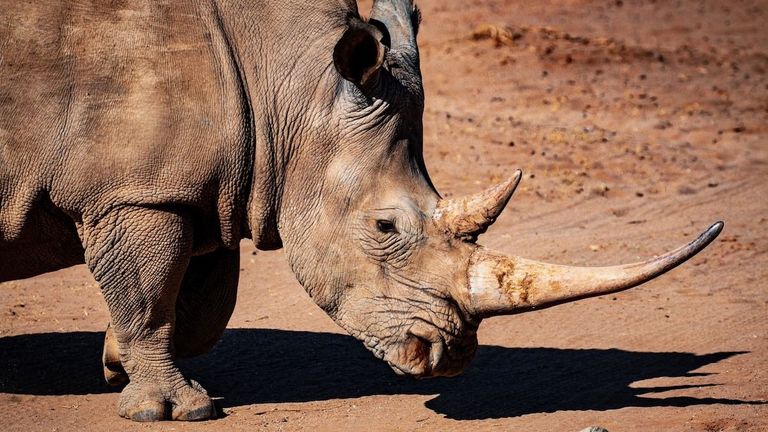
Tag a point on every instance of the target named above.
point(516, 176)
point(510, 185)
point(514, 180)
point(714, 230)
point(709, 235)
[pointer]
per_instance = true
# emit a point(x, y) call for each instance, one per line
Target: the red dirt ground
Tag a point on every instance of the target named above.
point(638, 123)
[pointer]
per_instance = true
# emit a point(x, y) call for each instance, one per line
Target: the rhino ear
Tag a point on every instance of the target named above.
point(359, 54)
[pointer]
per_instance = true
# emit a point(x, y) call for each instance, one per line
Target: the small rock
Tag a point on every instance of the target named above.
point(594, 247)
point(601, 190)
point(594, 429)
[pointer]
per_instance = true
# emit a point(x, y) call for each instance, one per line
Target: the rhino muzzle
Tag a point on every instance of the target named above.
point(428, 354)
point(499, 284)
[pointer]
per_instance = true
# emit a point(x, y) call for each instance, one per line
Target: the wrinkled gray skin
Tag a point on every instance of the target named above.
point(147, 138)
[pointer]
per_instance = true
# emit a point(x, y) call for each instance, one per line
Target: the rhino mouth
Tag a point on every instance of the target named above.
point(415, 345)
point(426, 356)
point(423, 357)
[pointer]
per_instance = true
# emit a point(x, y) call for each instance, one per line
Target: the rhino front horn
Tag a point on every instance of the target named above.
point(500, 284)
point(470, 216)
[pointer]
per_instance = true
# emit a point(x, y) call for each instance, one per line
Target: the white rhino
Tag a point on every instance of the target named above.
point(146, 138)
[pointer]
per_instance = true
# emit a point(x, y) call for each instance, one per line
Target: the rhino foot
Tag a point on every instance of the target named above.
point(146, 402)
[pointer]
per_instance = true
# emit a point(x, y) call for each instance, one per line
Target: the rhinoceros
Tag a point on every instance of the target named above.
point(147, 138)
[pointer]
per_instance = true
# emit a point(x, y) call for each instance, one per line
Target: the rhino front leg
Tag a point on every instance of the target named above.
point(139, 257)
point(203, 308)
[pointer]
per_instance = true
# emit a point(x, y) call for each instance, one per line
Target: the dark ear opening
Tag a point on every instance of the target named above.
point(359, 53)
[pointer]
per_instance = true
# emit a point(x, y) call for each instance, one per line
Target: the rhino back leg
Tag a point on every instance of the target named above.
point(203, 308)
point(114, 373)
point(139, 256)
point(206, 301)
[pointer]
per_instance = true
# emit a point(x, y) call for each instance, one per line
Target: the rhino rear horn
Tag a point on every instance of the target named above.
point(359, 54)
point(467, 217)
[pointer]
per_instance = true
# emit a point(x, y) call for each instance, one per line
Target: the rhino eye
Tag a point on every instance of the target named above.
point(386, 226)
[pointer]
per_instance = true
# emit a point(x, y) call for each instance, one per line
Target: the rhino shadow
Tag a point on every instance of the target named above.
point(250, 366)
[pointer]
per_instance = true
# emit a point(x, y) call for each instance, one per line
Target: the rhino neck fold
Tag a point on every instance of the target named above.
point(231, 73)
point(283, 81)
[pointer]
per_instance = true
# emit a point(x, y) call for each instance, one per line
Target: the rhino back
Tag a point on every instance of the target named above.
point(104, 104)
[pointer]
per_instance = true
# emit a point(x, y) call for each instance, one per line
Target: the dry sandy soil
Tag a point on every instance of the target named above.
point(638, 123)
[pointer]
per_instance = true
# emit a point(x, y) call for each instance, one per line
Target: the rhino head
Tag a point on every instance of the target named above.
point(377, 247)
